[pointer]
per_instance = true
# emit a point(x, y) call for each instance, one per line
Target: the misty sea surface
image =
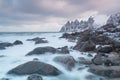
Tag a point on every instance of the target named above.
point(15, 55)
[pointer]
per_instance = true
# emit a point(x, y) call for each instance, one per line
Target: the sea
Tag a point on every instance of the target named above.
point(15, 55)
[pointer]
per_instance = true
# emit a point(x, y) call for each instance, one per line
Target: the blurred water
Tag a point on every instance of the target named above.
point(15, 55)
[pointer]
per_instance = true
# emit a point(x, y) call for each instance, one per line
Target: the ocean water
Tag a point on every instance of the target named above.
point(15, 56)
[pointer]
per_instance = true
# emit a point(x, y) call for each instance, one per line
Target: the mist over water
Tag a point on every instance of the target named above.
point(15, 55)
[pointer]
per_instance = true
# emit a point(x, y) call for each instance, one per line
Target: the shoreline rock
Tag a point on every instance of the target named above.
point(35, 67)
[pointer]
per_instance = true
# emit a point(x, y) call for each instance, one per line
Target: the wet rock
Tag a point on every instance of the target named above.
point(90, 77)
point(41, 41)
point(71, 37)
point(102, 59)
point(83, 67)
point(111, 71)
point(99, 59)
point(35, 59)
point(17, 42)
point(67, 61)
point(102, 40)
point(2, 47)
point(90, 55)
point(42, 50)
point(4, 79)
point(6, 44)
point(35, 39)
point(2, 56)
point(34, 77)
point(64, 50)
point(85, 46)
point(82, 60)
point(35, 67)
point(38, 40)
point(105, 49)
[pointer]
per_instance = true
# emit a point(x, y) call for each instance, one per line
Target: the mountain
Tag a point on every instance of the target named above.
point(76, 26)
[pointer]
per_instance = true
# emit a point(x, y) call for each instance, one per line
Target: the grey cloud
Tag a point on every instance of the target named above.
point(13, 12)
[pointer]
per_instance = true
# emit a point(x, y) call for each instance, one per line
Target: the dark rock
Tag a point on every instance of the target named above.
point(102, 40)
point(90, 77)
point(67, 61)
point(34, 77)
point(102, 59)
point(6, 44)
point(2, 55)
point(99, 59)
point(4, 79)
point(35, 39)
point(82, 60)
point(17, 42)
point(85, 46)
point(41, 41)
point(42, 50)
point(111, 71)
point(90, 55)
point(2, 47)
point(64, 50)
point(35, 67)
point(35, 59)
point(105, 49)
point(38, 40)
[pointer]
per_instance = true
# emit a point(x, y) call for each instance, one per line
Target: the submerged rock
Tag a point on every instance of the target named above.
point(64, 50)
point(67, 61)
point(2, 48)
point(35, 67)
point(17, 42)
point(38, 40)
point(4, 45)
point(34, 77)
point(4, 79)
point(42, 50)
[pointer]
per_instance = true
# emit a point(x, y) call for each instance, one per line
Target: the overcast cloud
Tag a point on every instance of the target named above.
point(50, 15)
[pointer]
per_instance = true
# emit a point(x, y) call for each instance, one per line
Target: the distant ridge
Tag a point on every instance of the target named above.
point(76, 26)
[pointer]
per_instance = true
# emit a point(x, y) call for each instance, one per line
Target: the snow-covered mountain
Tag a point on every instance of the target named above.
point(76, 26)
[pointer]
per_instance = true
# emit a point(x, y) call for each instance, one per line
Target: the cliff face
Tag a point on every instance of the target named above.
point(76, 26)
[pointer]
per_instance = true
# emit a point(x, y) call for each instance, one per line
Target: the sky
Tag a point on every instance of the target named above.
point(50, 15)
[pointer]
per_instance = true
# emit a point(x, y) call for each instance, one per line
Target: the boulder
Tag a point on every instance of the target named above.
point(42, 50)
point(38, 40)
point(2, 47)
point(82, 60)
point(67, 61)
point(99, 59)
point(34, 77)
point(41, 41)
point(107, 60)
point(35, 39)
point(35, 67)
point(64, 50)
point(17, 42)
point(85, 46)
point(111, 71)
point(105, 49)
point(6, 44)
point(4, 79)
